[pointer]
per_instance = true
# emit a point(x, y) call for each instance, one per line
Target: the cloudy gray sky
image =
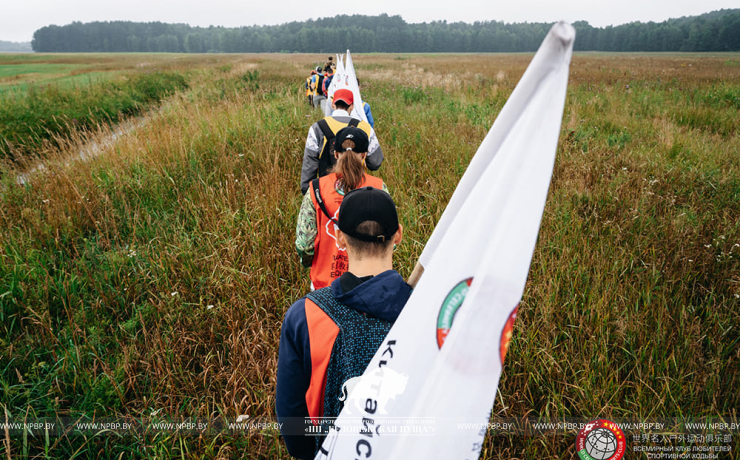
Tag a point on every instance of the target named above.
point(20, 18)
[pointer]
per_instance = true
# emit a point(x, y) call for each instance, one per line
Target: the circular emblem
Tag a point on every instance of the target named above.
point(451, 304)
point(600, 440)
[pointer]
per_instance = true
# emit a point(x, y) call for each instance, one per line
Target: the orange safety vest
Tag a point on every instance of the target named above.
point(322, 332)
point(328, 261)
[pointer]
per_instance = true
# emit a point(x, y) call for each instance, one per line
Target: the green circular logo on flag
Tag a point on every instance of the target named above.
point(449, 308)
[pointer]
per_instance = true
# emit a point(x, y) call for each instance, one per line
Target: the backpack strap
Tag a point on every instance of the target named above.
point(328, 134)
point(326, 160)
point(319, 200)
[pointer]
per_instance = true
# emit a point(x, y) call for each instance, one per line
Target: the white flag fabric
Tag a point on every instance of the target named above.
point(358, 111)
point(479, 253)
point(345, 78)
point(336, 83)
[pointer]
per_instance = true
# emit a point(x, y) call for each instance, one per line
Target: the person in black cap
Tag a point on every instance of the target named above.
point(331, 335)
point(316, 241)
point(317, 156)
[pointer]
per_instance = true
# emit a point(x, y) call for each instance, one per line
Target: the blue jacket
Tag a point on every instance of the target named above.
point(368, 113)
point(382, 296)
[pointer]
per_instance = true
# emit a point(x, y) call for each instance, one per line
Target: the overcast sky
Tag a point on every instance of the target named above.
point(20, 18)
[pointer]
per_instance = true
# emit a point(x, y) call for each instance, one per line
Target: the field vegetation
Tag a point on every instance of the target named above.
point(151, 280)
point(45, 99)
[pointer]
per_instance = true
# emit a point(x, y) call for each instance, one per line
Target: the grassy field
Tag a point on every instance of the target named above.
point(18, 71)
point(46, 99)
point(152, 280)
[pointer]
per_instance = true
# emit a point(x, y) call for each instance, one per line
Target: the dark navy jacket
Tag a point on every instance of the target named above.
point(382, 296)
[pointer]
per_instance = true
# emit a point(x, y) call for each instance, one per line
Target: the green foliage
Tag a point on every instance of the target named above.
point(30, 120)
point(716, 31)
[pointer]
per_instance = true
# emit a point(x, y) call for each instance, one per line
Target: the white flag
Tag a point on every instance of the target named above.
point(358, 111)
point(335, 84)
point(480, 252)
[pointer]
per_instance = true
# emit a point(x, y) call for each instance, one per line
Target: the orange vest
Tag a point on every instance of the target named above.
point(328, 261)
point(322, 332)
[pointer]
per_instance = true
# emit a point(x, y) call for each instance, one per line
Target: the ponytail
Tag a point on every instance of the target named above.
point(350, 168)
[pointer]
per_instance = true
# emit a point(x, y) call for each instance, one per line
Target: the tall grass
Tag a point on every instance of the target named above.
point(154, 277)
point(35, 120)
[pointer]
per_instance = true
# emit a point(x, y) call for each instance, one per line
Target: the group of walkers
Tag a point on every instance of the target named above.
point(318, 82)
point(346, 231)
point(317, 89)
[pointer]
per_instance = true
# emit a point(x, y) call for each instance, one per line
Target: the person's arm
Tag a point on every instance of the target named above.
point(306, 230)
point(369, 114)
point(375, 154)
point(310, 168)
point(293, 380)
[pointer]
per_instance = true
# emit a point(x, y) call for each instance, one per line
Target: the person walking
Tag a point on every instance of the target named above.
point(319, 96)
point(316, 241)
point(317, 156)
point(309, 87)
point(330, 335)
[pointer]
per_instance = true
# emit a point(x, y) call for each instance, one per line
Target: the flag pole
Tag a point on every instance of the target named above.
point(415, 275)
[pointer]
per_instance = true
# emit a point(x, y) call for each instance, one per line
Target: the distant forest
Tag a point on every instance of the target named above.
point(14, 47)
point(716, 31)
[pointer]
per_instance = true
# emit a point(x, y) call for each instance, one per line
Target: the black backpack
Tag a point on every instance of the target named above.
point(320, 86)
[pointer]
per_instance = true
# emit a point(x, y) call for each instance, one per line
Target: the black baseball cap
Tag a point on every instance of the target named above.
point(368, 204)
point(356, 135)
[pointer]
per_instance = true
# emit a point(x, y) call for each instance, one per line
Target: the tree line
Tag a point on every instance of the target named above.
point(715, 31)
point(15, 47)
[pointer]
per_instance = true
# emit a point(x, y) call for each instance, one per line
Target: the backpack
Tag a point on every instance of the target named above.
point(360, 335)
point(326, 157)
point(320, 85)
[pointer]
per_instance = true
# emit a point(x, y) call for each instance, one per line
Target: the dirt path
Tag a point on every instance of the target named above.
point(93, 148)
